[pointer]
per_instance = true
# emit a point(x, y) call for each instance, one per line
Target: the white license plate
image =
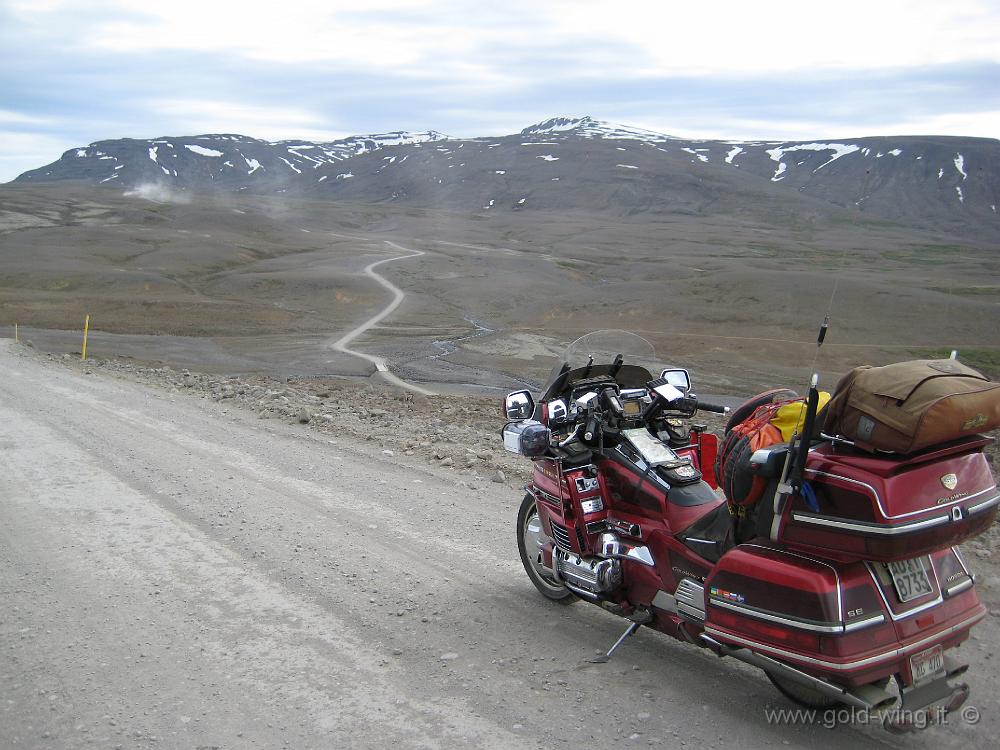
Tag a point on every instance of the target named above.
point(910, 578)
point(927, 663)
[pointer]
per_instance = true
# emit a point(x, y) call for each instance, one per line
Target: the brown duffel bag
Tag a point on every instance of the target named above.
point(908, 406)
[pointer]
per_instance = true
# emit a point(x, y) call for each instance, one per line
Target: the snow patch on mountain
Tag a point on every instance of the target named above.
point(202, 151)
point(838, 149)
point(960, 166)
point(733, 153)
point(290, 165)
point(588, 127)
point(696, 152)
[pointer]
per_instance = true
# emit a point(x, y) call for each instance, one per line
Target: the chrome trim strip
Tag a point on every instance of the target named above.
point(959, 587)
point(861, 624)
point(878, 499)
point(961, 561)
point(837, 628)
point(885, 656)
point(982, 506)
point(552, 499)
point(836, 574)
point(910, 612)
point(870, 528)
point(765, 615)
point(692, 612)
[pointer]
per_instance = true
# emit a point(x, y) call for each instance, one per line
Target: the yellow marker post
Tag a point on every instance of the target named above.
point(16, 337)
point(86, 329)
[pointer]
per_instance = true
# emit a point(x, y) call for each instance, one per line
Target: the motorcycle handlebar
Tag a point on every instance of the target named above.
point(717, 408)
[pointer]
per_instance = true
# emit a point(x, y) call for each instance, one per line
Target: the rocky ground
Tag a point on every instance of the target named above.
point(461, 433)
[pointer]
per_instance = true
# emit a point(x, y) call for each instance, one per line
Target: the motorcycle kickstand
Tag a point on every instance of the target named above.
point(632, 627)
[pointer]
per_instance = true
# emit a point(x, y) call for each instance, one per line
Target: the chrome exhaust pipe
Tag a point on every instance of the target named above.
point(866, 697)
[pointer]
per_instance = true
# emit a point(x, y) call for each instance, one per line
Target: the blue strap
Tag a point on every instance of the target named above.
point(809, 496)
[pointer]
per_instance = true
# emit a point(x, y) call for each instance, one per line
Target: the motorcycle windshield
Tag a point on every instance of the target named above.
point(594, 355)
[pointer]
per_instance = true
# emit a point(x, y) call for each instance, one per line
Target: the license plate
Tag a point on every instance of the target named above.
point(927, 663)
point(910, 578)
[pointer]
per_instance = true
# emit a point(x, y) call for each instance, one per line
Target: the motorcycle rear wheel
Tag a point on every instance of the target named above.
point(529, 530)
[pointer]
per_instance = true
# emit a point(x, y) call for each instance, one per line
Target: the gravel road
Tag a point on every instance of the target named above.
point(178, 573)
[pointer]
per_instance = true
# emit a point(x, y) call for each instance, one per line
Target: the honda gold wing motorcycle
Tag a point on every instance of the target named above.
point(836, 589)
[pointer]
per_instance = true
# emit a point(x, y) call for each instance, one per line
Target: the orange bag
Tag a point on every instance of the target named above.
point(732, 466)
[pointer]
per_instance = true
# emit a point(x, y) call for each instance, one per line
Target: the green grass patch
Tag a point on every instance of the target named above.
point(968, 291)
point(927, 254)
point(986, 359)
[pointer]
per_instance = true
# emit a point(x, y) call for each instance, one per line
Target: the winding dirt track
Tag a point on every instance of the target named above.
point(398, 295)
point(177, 573)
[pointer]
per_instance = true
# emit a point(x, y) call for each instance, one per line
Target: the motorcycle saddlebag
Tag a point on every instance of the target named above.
point(908, 406)
point(845, 620)
point(792, 607)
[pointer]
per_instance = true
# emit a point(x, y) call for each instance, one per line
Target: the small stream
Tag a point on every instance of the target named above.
point(448, 346)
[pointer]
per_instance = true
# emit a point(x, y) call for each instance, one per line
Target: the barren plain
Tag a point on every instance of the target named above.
point(254, 284)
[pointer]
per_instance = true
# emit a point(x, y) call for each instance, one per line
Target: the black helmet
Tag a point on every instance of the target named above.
point(534, 440)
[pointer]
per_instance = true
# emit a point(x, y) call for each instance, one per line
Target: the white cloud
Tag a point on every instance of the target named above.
point(9, 117)
point(190, 116)
point(709, 38)
point(461, 38)
point(736, 128)
point(20, 152)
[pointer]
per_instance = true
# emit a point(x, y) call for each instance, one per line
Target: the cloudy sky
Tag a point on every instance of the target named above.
point(72, 72)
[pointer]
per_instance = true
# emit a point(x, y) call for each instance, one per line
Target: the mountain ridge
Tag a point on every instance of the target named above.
point(950, 183)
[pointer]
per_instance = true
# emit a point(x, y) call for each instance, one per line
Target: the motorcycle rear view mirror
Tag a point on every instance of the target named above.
point(677, 377)
point(519, 405)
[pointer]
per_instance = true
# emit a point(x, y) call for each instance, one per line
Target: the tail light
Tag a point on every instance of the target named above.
point(766, 632)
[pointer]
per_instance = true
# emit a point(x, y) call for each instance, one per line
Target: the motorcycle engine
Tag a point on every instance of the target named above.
point(594, 574)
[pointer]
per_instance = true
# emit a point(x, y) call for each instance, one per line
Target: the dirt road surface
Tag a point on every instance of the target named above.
point(398, 295)
point(177, 573)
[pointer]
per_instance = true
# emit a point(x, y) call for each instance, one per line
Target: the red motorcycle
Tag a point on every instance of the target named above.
point(845, 578)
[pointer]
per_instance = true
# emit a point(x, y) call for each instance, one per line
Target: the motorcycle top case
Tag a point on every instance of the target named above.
point(889, 509)
point(908, 406)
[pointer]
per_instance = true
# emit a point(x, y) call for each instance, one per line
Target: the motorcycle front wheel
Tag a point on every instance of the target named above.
point(529, 531)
